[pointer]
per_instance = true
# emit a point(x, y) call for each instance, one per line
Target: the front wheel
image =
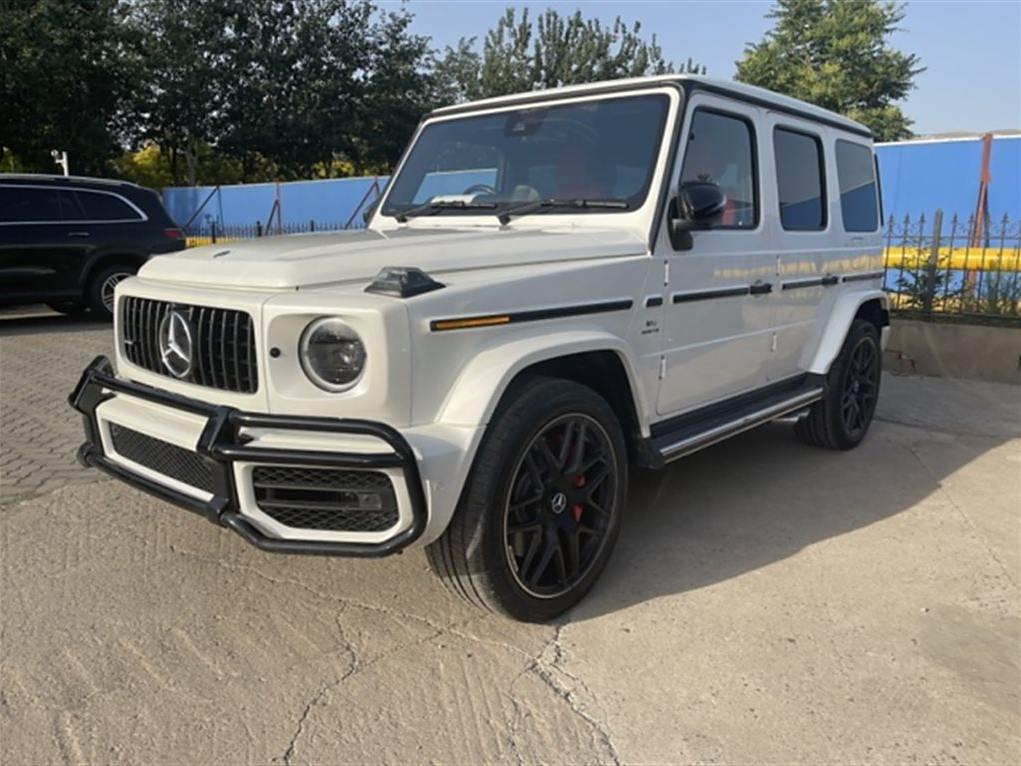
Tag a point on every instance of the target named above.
point(541, 510)
point(842, 417)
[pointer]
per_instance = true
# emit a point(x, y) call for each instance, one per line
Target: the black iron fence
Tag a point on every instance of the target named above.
point(213, 233)
point(954, 267)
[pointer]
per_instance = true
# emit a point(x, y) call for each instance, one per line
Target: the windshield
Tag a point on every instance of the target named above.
point(593, 150)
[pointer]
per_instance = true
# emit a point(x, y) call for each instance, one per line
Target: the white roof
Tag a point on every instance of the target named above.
point(737, 88)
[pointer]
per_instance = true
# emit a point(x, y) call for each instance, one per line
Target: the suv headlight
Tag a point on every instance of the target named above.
point(332, 354)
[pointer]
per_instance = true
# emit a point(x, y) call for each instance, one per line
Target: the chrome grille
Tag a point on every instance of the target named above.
point(326, 498)
point(223, 342)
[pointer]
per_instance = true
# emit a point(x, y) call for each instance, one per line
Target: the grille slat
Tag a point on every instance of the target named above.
point(220, 337)
point(332, 499)
point(249, 346)
point(199, 359)
point(223, 347)
point(163, 457)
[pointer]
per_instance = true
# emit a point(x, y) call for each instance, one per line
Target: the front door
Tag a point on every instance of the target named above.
point(41, 248)
point(717, 315)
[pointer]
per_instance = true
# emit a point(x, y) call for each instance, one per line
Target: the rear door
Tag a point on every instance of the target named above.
point(716, 316)
point(804, 233)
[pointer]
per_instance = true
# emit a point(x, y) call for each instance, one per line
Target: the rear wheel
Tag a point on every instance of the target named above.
point(100, 292)
point(541, 510)
point(842, 417)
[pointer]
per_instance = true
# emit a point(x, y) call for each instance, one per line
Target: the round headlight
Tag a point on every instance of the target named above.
point(332, 354)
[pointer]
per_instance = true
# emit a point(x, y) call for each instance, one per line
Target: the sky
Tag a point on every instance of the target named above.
point(971, 48)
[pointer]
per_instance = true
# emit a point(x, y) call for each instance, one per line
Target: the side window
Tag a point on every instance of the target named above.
point(106, 207)
point(856, 174)
point(720, 150)
point(800, 181)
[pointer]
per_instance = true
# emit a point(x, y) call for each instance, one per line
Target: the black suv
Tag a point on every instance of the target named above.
point(67, 242)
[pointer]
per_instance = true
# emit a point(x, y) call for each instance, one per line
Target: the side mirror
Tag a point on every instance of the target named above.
point(698, 206)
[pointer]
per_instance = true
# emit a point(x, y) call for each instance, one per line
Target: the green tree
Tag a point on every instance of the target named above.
point(836, 53)
point(64, 75)
point(179, 99)
point(399, 88)
point(521, 55)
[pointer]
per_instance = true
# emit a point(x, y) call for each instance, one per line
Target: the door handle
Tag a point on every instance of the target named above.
point(829, 280)
point(761, 288)
point(78, 234)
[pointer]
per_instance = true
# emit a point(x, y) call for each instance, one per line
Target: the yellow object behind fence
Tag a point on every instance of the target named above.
point(955, 259)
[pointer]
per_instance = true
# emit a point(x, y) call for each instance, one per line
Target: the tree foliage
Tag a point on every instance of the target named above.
point(64, 74)
point(174, 92)
point(519, 54)
point(836, 53)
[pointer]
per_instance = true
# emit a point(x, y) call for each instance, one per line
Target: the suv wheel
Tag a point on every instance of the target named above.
point(100, 290)
point(541, 509)
point(842, 417)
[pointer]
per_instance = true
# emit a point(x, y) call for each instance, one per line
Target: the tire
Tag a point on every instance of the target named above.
point(99, 293)
point(489, 555)
point(842, 417)
point(67, 307)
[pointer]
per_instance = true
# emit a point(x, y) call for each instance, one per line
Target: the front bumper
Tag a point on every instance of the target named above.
point(223, 442)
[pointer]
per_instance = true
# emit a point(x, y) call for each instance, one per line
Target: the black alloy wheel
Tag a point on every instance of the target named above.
point(558, 512)
point(842, 417)
point(861, 387)
point(542, 506)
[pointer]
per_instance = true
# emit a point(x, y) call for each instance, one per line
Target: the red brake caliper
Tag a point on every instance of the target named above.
point(579, 481)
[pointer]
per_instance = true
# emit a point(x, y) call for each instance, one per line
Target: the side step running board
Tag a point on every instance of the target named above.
point(699, 435)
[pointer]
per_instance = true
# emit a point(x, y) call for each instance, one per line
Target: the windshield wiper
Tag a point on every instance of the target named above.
point(555, 202)
point(450, 204)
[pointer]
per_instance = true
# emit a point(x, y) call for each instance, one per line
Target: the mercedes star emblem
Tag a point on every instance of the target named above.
point(176, 343)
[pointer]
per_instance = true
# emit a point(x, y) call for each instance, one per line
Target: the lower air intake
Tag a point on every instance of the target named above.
point(329, 499)
point(162, 457)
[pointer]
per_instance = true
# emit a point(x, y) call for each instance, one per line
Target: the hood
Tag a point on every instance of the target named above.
point(307, 260)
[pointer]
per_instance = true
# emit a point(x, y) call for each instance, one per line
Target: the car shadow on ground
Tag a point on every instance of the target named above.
point(756, 500)
point(38, 322)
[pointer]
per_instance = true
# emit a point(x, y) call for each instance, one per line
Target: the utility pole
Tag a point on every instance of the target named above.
point(60, 158)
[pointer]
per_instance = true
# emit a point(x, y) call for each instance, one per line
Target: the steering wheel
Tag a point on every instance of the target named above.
point(477, 188)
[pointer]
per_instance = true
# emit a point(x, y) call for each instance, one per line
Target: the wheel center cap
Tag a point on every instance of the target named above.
point(558, 502)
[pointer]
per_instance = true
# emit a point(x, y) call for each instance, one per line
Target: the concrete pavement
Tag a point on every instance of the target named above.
point(767, 602)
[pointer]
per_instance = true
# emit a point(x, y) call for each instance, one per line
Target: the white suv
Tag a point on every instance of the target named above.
point(555, 285)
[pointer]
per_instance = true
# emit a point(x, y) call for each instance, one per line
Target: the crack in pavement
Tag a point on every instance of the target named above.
point(547, 671)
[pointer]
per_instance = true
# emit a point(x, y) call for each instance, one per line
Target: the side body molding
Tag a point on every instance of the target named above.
point(825, 344)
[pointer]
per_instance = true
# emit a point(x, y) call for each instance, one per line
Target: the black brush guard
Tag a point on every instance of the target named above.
point(221, 443)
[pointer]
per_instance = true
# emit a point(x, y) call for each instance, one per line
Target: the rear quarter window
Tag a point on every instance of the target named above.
point(106, 207)
point(856, 173)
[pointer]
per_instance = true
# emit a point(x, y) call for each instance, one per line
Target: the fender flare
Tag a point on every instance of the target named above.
point(829, 338)
point(483, 381)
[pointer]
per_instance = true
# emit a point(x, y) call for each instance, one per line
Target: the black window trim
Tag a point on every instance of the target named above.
point(75, 191)
point(823, 180)
point(875, 182)
point(756, 177)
